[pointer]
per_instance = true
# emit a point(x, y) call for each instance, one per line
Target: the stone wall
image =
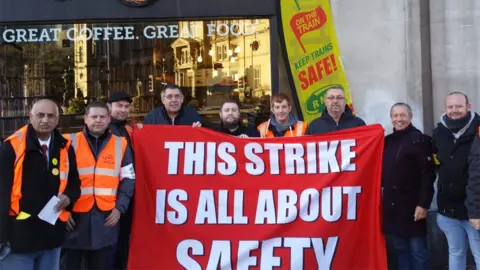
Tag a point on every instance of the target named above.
point(455, 50)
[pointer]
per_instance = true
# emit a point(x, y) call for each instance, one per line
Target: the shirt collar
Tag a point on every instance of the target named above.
point(47, 142)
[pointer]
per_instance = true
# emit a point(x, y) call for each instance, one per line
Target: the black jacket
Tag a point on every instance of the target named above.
point(249, 131)
point(407, 175)
point(38, 187)
point(473, 188)
point(325, 123)
point(186, 117)
point(453, 168)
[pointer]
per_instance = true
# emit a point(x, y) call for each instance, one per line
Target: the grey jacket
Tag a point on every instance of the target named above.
point(90, 233)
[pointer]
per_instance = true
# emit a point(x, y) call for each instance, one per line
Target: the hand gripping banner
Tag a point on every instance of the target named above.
point(205, 200)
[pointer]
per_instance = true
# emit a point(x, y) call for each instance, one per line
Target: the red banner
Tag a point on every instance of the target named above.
point(205, 200)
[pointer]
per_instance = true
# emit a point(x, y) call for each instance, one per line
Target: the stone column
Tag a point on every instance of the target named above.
point(380, 42)
point(455, 31)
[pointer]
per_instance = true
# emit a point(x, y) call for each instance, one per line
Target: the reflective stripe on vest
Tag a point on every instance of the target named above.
point(18, 141)
point(99, 178)
point(263, 129)
point(129, 131)
point(99, 191)
point(299, 128)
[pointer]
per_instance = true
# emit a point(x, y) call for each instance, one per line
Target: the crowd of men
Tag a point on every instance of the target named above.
point(90, 176)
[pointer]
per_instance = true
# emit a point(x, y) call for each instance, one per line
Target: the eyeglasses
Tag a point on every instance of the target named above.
point(332, 98)
point(171, 97)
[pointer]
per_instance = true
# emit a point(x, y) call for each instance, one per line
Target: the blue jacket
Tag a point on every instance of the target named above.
point(186, 117)
point(325, 122)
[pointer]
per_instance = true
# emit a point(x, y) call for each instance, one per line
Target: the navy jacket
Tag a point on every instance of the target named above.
point(325, 123)
point(186, 117)
point(408, 175)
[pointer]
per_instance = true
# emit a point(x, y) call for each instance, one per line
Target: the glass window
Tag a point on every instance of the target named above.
point(77, 63)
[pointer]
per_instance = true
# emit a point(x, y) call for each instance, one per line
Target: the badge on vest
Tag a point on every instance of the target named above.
point(55, 161)
point(55, 171)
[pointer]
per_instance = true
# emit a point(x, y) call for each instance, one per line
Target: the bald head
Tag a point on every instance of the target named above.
point(44, 103)
point(44, 117)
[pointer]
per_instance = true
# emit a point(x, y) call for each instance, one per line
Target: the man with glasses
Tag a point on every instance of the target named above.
point(173, 112)
point(336, 116)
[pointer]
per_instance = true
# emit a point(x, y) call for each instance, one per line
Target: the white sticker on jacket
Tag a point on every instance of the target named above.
point(127, 172)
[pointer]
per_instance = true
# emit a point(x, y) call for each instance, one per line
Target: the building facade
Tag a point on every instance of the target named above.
point(213, 52)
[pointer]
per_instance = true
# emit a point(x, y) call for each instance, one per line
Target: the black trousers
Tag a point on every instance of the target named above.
point(123, 244)
point(87, 259)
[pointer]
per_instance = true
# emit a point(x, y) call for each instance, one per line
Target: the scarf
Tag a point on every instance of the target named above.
point(457, 126)
point(281, 128)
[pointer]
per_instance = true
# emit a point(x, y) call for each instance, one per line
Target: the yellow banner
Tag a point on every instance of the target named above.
point(312, 52)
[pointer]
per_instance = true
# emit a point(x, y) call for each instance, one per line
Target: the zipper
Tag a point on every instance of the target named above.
point(94, 197)
point(94, 168)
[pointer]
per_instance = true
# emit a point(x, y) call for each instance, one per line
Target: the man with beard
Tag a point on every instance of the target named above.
point(119, 106)
point(282, 123)
point(453, 140)
point(230, 124)
point(337, 114)
point(173, 112)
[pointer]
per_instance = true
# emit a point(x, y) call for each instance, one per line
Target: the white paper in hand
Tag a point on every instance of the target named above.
point(49, 213)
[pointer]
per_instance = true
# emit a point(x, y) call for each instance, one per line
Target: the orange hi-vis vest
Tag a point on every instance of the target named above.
point(99, 178)
point(129, 130)
point(300, 128)
point(19, 144)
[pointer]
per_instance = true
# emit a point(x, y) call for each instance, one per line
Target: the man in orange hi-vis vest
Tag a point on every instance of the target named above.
point(282, 123)
point(37, 169)
point(105, 166)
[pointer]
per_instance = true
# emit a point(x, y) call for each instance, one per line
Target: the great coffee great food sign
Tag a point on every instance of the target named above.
point(122, 32)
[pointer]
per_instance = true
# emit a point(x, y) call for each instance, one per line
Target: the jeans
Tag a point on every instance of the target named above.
point(459, 233)
point(411, 252)
point(39, 260)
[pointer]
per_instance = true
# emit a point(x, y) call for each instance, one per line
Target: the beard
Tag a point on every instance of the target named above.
point(230, 124)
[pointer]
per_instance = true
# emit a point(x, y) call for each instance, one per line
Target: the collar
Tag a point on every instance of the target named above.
point(47, 142)
point(345, 115)
point(117, 122)
point(33, 143)
point(88, 135)
point(408, 129)
point(225, 129)
point(167, 117)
